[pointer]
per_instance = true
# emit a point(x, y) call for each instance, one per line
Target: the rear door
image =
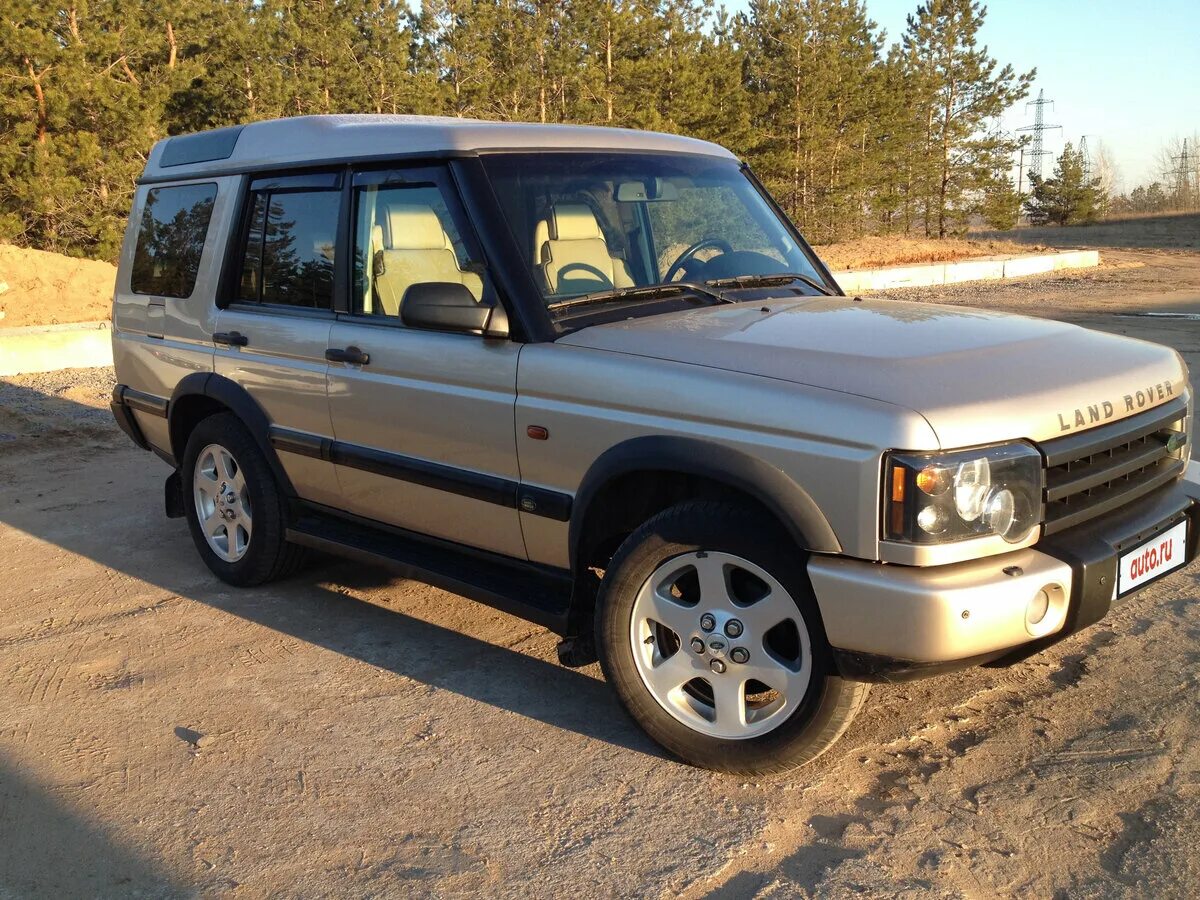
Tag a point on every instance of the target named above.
point(274, 327)
point(424, 421)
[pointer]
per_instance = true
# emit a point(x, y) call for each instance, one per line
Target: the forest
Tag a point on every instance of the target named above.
point(854, 131)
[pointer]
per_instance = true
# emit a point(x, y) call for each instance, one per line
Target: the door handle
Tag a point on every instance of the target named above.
point(230, 338)
point(349, 355)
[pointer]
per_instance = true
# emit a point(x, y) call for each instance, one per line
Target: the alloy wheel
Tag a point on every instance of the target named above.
point(222, 503)
point(721, 645)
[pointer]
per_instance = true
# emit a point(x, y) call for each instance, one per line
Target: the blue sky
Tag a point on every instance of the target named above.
point(1126, 74)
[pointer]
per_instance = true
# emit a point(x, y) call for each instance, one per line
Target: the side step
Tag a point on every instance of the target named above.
point(536, 593)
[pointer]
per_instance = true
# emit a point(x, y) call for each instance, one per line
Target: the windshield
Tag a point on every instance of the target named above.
point(608, 222)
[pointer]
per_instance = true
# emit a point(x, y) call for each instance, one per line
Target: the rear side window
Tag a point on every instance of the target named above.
point(289, 241)
point(171, 239)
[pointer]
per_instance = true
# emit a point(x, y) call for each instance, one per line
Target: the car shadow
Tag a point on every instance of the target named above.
point(159, 551)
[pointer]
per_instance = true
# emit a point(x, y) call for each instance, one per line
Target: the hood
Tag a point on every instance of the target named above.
point(976, 376)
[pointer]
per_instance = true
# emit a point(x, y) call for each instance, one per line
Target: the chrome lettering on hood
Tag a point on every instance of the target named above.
point(1086, 416)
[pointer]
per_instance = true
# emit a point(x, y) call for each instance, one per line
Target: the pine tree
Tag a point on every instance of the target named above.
point(1068, 197)
point(960, 88)
point(848, 140)
point(813, 68)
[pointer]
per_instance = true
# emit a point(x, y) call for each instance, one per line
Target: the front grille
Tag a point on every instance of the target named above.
point(1096, 471)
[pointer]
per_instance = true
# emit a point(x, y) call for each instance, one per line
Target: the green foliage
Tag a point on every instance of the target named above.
point(849, 137)
point(1067, 197)
point(1001, 205)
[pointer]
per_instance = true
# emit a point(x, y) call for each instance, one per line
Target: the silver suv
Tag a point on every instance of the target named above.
point(597, 379)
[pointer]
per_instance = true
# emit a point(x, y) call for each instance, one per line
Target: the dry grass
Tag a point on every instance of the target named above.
point(897, 250)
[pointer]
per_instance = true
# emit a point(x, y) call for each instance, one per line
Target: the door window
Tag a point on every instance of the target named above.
point(409, 229)
point(290, 241)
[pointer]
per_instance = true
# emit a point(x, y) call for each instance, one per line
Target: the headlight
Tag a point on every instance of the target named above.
point(937, 498)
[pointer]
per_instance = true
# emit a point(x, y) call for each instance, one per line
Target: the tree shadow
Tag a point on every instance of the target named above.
point(47, 850)
point(160, 552)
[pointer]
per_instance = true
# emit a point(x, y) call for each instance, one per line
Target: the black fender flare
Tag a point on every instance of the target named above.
point(767, 484)
point(237, 399)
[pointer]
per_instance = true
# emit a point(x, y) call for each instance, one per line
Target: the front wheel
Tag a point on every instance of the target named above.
point(709, 633)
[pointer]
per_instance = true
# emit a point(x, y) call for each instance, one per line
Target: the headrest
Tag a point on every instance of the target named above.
point(415, 226)
point(574, 222)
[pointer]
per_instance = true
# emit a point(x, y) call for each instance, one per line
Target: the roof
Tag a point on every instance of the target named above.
point(323, 138)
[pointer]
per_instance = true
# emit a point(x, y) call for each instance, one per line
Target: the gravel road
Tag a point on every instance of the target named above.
point(344, 732)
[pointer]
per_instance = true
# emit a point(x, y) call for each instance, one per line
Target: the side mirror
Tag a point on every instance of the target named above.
point(449, 306)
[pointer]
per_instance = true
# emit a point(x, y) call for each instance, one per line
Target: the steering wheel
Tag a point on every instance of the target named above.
point(686, 256)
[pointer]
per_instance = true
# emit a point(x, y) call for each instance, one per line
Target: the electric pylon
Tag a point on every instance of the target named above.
point(1039, 127)
point(1183, 177)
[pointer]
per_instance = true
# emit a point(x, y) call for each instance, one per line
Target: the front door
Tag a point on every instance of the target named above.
point(422, 420)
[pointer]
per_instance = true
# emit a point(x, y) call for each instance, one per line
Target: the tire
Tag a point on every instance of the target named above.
point(697, 700)
point(249, 546)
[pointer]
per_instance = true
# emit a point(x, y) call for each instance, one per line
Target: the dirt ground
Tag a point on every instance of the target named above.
point(345, 732)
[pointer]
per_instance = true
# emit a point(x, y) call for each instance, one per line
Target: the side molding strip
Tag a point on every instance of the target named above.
point(464, 482)
point(147, 403)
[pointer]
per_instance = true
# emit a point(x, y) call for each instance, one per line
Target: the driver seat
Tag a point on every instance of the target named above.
point(570, 250)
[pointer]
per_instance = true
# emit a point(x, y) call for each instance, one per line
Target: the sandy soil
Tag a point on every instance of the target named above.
point(49, 289)
point(349, 733)
point(879, 252)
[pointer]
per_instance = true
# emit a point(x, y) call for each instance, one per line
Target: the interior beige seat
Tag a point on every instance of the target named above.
point(413, 249)
point(570, 249)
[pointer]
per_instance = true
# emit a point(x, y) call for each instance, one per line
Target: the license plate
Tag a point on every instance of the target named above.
point(1156, 557)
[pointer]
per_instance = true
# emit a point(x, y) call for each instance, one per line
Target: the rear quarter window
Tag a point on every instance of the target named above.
point(170, 239)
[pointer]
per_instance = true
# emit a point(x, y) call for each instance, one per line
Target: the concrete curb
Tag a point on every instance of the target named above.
point(986, 269)
point(48, 348)
point(89, 344)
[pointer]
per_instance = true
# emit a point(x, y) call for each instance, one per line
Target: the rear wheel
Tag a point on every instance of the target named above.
point(709, 633)
point(235, 510)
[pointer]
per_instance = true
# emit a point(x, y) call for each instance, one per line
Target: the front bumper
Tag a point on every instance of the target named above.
point(897, 623)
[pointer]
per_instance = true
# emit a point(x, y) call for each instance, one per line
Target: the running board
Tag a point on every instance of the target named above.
point(536, 593)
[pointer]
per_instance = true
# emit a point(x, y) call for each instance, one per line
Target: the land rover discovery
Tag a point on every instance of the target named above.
point(596, 378)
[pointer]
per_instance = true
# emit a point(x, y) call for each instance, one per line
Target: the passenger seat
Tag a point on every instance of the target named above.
point(570, 249)
point(416, 250)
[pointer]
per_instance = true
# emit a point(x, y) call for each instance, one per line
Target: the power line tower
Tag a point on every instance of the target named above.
point(1183, 177)
point(1039, 127)
point(1086, 157)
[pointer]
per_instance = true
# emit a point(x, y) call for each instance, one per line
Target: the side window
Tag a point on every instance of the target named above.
point(290, 241)
point(408, 229)
point(170, 239)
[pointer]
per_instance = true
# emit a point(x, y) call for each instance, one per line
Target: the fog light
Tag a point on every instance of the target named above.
point(1046, 610)
point(1038, 607)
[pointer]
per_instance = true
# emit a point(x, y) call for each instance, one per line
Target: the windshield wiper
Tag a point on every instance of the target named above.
point(750, 281)
point(649, 290)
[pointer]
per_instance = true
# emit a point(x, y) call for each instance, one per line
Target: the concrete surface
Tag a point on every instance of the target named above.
point(48, 348)
point(347, 733)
